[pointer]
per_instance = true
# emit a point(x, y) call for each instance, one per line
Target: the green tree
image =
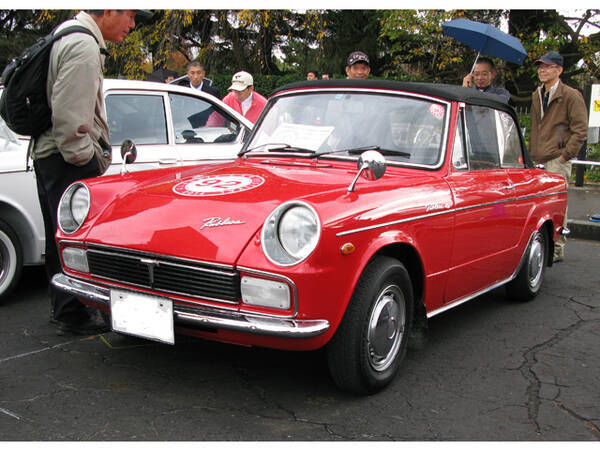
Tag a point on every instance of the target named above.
point(543, 30)
point(420, 51)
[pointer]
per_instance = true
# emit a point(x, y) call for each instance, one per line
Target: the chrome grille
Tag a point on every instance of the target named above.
point(164, 275)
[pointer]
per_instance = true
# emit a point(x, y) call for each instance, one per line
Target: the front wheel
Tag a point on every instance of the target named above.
point(11, 259)
point(528, 282)
point(365, 353)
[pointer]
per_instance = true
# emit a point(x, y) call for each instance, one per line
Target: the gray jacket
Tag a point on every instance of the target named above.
point(75, 94)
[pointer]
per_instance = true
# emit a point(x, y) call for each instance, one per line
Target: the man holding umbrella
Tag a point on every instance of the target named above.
point(490, 41)
point(482, 76)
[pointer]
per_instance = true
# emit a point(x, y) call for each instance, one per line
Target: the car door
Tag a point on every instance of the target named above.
point(526, 183)
point(204, 128)
point(487, 223)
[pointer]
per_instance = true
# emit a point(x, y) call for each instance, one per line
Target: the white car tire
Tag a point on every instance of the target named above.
point(11, 259)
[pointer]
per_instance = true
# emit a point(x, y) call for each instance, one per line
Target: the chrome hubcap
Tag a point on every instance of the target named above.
point(535, 263)
point(386, 328)
point(8, 258)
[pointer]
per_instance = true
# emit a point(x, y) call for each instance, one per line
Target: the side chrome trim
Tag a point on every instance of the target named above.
point(467, 298)
point(223, 319)
point(449, 211)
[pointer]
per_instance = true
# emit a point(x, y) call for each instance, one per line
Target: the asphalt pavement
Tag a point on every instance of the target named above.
point(492, 370)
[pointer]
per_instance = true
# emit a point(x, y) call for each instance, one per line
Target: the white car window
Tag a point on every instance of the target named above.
point(137, 117)
point(197, 121)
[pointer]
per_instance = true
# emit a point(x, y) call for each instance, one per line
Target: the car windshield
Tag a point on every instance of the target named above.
point(403, 128)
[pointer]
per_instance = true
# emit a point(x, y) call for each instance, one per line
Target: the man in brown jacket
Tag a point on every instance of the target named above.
point(558, 124)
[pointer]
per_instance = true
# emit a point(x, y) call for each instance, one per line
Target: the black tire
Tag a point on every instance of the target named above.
point(11, 260)
point(365, 353)
point(529, 280)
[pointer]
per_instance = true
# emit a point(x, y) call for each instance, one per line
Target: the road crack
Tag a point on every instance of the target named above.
point(528, 371)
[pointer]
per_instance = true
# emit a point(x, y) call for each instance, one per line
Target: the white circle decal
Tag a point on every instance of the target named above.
point(205, 186)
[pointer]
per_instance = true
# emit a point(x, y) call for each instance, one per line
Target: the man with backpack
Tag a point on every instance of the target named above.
point(77, 145)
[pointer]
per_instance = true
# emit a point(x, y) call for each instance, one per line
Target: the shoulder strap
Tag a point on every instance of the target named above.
point(77, 29)
point(73, 29)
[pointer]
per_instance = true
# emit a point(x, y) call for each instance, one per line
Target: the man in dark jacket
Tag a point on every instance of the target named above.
point(195, 79)
point(558, 124)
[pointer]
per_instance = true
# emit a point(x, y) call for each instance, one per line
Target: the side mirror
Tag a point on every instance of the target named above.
point(128, 153)
point(371, 165)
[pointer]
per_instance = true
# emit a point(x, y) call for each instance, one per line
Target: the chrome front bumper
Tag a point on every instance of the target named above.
point(205, 317)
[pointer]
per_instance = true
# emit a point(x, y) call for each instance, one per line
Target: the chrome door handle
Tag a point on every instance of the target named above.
point(167, 161)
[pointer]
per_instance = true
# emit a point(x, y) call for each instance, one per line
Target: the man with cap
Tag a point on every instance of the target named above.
point(481, 79)
point(358, 65)
point(558, 124)
point(243, 98)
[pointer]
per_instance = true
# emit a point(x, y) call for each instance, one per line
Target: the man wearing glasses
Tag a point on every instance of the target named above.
point(481, 78)
point(558, 124)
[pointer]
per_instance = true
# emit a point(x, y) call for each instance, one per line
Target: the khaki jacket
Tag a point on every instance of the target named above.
point(75, 94)
point(564, 127)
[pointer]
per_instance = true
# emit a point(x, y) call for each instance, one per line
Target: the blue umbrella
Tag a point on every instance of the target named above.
point(486, 39)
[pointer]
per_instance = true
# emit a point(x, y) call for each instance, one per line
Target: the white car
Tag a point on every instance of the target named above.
point(169, 125)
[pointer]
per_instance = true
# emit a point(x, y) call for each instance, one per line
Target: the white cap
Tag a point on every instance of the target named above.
point(241, 81)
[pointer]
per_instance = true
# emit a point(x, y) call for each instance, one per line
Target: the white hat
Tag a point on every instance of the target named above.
point(241, 81)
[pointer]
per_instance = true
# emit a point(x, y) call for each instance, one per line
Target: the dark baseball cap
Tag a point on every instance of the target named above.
point(356, 57)
point(550, 58)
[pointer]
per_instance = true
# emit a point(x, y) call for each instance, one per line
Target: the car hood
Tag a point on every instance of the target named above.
point(211, 214)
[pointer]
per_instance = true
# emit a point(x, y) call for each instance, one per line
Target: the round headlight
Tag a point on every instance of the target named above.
point(73, 208)
point(290, 233)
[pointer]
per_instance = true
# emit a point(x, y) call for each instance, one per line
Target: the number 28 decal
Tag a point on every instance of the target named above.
point(205, 186)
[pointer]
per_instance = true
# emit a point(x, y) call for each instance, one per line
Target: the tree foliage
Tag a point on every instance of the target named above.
point(420, 51)
point(274, 44)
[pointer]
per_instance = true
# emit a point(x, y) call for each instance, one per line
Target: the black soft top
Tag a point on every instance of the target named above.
point(443, 91)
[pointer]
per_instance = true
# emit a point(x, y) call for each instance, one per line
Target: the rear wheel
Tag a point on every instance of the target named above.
point(365, 353)
point(11, 259)
point(529, 280)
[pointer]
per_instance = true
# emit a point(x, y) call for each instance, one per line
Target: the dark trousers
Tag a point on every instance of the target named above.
point(53, 176)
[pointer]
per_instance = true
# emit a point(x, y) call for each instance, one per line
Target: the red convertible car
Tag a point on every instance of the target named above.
point(356, 210)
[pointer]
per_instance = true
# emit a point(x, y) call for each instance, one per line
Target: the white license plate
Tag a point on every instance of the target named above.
point(142, 315)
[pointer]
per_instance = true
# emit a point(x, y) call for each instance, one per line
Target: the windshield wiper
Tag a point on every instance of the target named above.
point(277, 147)
point(355, 150)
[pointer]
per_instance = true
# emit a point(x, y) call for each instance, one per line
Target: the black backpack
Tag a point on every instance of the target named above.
point(24, 102)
